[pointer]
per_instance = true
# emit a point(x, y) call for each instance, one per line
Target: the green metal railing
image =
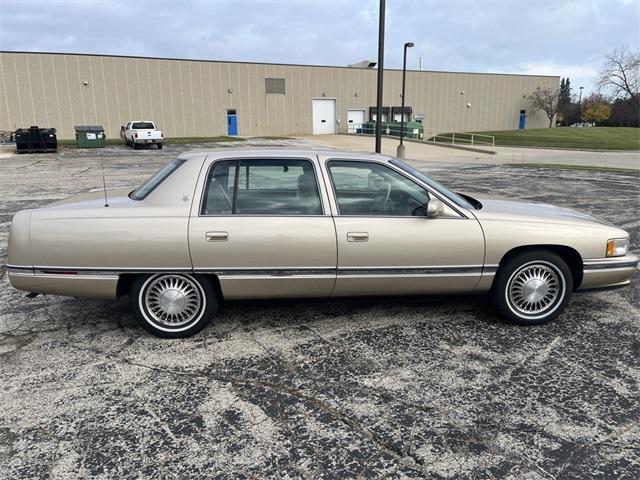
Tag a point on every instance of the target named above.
point(414, 132)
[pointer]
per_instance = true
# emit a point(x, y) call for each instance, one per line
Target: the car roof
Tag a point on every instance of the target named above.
point(270, 153)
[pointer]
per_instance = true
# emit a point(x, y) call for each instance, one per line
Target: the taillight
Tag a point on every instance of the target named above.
point(161, 134)
point(135, 135)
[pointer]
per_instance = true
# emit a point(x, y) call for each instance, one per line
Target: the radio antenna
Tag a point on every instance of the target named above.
point(104, 183)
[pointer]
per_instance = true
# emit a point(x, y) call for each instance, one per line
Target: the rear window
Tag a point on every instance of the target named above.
point(143, 126)
point(156, 179)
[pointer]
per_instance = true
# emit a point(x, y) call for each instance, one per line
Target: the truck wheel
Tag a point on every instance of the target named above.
point(532, 288)
point(134, 145)
point(159, 146)
point(172, 305)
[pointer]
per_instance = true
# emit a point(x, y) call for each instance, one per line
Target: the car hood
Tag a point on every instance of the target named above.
point(493, 208)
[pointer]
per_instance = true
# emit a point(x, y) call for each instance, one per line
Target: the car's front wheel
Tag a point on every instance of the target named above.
point(173, 305)
point(532, 288)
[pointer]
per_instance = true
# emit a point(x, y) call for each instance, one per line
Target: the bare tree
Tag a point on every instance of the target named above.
point(546, 100)
point(620, 74)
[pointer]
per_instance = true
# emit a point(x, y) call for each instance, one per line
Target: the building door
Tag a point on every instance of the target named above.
point(232, 122)
point(355, 119)
point(523, 117)
point(324, 116)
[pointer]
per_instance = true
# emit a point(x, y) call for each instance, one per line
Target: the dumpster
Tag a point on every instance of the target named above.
point(36, 139)
point(90, 136)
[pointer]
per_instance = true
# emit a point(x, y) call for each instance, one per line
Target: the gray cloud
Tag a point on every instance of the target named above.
point(566, 38)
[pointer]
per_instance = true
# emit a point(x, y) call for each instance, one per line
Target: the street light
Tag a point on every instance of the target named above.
point(400, 152)
point(380, 76)
point(580, 104)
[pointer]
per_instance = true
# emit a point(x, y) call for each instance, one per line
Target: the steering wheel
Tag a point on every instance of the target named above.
point(382, 200)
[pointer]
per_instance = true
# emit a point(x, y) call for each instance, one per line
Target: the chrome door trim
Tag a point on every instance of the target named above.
point(436, 270)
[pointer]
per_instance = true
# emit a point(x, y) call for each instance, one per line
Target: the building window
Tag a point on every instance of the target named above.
point(274, 86)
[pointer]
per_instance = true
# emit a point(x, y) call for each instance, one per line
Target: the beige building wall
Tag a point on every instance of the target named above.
point(190, 98)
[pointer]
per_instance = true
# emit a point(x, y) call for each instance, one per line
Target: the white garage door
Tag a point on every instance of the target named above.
point(324, 116)
point(355, 119)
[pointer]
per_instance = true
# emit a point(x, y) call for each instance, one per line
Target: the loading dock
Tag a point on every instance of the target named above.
point(324, 116)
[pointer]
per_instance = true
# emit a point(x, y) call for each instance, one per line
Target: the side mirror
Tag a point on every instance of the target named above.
point(435, 207)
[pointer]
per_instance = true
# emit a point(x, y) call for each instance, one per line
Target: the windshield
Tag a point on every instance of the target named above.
point(143, 126)
point(156, 179)
point(433, 184)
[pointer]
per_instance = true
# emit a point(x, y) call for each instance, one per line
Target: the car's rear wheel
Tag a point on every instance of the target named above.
point(134, 145)
point(173, 305)
point(159, 146)
point(532, 288)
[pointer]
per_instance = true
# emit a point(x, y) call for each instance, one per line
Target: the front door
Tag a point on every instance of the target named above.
point(232, 123)
point(261, 227)
point(523, 118)
point(386, 243)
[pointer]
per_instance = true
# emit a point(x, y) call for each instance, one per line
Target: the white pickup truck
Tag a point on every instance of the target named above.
point(138, 133)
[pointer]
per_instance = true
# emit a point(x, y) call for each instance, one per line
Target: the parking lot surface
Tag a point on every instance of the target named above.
point(373, 388)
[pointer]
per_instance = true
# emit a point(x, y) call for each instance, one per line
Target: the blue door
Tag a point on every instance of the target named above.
point(232, 123)
point(523, 117)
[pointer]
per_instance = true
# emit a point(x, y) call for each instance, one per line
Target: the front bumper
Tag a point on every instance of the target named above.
point(605, 273)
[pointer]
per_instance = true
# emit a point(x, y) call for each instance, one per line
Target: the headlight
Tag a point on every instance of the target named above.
point(617, 247)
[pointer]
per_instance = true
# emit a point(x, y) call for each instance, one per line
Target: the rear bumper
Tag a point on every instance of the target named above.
point(606, 273)
point(148, 141)
point(78, 284)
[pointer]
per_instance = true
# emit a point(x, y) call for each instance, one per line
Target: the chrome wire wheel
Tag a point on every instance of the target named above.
point(535, 290)
point(173, 302)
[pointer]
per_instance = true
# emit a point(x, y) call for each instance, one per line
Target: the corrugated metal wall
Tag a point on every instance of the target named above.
point(190, 98)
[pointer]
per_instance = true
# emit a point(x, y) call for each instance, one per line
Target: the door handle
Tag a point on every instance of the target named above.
point(357, 237)
point(217, 236)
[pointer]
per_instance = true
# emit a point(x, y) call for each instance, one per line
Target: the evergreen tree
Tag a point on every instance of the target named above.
point(568, 110)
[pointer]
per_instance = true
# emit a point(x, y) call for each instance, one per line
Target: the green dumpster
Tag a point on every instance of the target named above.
point(90, 136)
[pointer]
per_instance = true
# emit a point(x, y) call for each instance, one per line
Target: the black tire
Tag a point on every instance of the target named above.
point(532, 288)
point(195, 308)
point(159, 146)
point(134, 145)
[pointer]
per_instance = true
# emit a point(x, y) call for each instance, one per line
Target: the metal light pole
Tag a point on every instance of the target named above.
point(580, 104)
point(380, 77)
point(400, 152)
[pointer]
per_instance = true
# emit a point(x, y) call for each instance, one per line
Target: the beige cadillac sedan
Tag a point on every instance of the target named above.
point(243, 224)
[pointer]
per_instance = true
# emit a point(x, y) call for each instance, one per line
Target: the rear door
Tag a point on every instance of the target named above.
point(386, 243)
point(263, 226)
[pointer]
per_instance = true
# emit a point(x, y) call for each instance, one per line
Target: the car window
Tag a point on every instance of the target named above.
point(156, 179)
point(432, 183)
point(143, 126)
point(262, 187)
point(372, 189)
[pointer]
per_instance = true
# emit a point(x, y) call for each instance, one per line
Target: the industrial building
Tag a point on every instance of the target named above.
point(198, 98)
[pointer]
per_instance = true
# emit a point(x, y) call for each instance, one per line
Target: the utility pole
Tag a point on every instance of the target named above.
point(380, 77)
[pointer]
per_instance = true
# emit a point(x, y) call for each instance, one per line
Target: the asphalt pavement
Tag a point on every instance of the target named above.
point(371, 388)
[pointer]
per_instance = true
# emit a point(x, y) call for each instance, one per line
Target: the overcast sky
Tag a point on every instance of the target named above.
point(565, 38)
